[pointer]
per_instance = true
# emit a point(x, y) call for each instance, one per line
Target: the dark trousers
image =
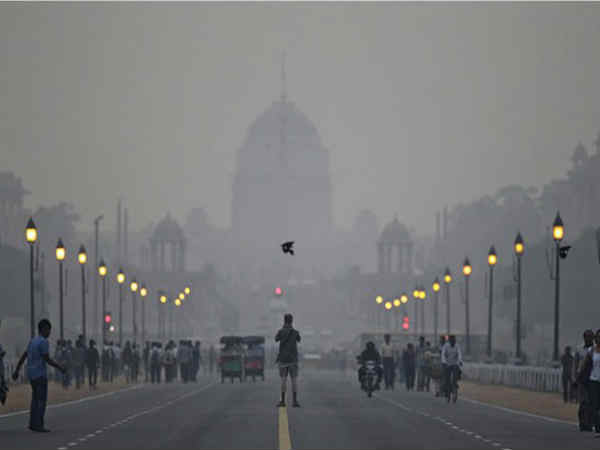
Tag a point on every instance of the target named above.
point(79, 376)
point(409, 374)
point(39, 397)
point(388, 372)
point(594, 387)
point(584, 413)
point(92, 375)
point(155, 373)
point(566, 384)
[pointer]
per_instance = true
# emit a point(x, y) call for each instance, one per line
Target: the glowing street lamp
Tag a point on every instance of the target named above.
point(404, 298)
point(492, 261)
point(519, 250)
point(82, 259)
point(379, 299)
point(134, 286)
point(31, 236)
point(187, 290)
point(181, 296)
point(447, 282)
point(467, 270)
point(103, 271)
point(143, 294)
point(558, 234)
point(436, 304)
point(120, 281)
point(61, 254)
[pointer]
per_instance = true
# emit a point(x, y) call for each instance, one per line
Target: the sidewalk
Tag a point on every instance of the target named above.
point(19, 396)
point(540, 403)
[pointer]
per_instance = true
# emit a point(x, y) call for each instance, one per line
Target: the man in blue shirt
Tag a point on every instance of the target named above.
point(38, 355)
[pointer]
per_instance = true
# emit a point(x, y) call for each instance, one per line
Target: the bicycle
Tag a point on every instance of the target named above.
point(452, 385)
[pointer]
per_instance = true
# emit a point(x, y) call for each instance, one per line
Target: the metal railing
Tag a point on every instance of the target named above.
point(539, 379)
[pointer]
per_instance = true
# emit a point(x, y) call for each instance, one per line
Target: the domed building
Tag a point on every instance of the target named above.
point(168, 236)
point(282, 187)
point(395, 245)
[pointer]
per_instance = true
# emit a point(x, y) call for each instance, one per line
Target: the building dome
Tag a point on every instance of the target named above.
point(168, 230)
point(394, 232)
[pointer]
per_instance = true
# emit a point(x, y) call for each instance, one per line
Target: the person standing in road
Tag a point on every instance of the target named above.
point(146, 358)
point(155, 363)
point(79, 363)
point(196, 359)
point(408, 363)
point(288, 339)
point(92, 359)
point(387, 353)
point(38, 356)
point(566, 362)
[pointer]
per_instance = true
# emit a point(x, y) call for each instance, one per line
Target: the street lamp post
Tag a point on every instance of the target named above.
point(61, 253)
point(143, 294)
point(416, 296)
point(447, 281)
point(422, 297)
point(436, 289)
point(378, 301)
point(558, 233)
point(120, 280)
point(95, 321)
point(467, 270)
point(397, 304)
point(102, 271)
point(31, 236)
point(161, 319)
point(134, 287)
point(82, 258)
point(492, 260)
point(388, 307)
point(519, 249)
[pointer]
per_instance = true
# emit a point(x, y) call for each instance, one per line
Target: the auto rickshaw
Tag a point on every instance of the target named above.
point(254, 363)
point(231, 360)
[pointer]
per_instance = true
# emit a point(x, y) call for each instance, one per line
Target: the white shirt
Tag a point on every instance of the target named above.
point(451, 355)
point(387, 350)
point(595, 375)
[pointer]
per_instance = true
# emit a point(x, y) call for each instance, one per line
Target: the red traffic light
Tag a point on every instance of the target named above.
point(107, 318)
point(405, 325)
point(278, 291)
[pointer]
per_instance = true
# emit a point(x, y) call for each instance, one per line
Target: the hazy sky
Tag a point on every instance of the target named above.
point(419, 104)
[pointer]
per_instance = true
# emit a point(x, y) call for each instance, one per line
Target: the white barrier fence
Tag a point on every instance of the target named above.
point(541, 379)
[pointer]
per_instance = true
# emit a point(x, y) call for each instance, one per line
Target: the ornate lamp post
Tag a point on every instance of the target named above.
point(397, 304)
point(103, 271)
point(467, 271)
point(519, 250)
point(378, 301)
point(31, 236)
point(82, 259)
point(121, 280)
point(61, 254)
point(161, 321)
point(447, 281)
point(134, 288)
point(558, 234)
point(436, 290)
point(416, 295)
point(143, 293)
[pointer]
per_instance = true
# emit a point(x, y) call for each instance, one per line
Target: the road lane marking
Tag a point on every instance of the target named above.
point(73, 402)
point(285, 443)
point(514, 411)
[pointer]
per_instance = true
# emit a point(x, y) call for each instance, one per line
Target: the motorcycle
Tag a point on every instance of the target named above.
point(370, 377)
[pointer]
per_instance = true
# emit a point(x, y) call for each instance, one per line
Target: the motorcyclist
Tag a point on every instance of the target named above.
point(370, 353)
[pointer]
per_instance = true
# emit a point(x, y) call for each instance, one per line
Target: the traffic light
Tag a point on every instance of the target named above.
point(107, 321)
point(405, 323)
point(278, 291)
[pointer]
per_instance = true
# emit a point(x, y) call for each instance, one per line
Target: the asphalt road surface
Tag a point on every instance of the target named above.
point(335, 414)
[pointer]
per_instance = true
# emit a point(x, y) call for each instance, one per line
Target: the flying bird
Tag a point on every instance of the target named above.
point(288, 247)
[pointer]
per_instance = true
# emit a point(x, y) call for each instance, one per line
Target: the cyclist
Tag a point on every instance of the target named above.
point(451, 361)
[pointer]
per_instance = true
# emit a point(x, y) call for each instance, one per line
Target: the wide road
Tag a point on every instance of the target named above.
point(335, 414)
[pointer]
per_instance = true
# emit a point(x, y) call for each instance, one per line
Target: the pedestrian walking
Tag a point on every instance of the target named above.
point(409, 365)
point(92, 360)
point(155, 363)
point(584, 413)
point(566, 361)
point(146, 358)
point(288, 339)
point(38, 356)
point(426, 366)
point(387, 353)
point(196, 359)
point(592, 365)
point(79, 363)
